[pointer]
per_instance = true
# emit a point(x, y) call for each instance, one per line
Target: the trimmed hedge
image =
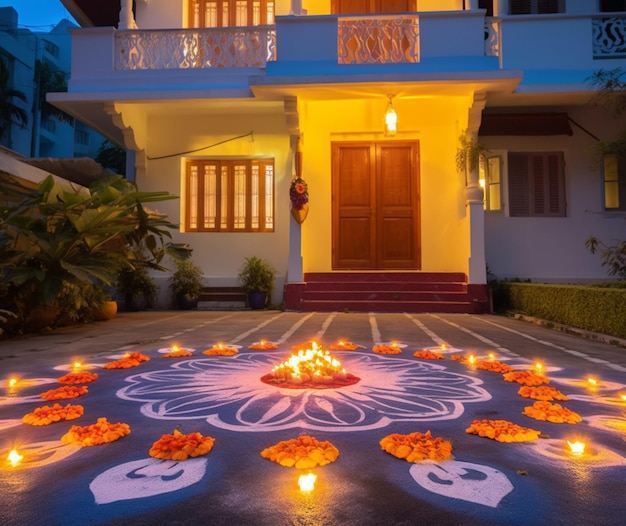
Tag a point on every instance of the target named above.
point(595, 309)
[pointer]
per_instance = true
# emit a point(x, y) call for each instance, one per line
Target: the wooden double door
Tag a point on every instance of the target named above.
point(342, 7)
point(375, 205)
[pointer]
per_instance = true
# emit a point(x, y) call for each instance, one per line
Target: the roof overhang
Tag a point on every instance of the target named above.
point(528, 124)
point(88, 13)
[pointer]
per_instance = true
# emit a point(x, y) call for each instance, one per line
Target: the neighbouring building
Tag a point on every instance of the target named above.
point(27, 54)
point(226, 102)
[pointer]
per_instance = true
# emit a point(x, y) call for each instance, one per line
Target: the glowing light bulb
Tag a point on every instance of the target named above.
point(307, 482)
point(577, 448)
point(14, 457)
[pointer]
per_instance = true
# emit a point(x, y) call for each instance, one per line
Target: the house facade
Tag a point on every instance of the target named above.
point(227, 102)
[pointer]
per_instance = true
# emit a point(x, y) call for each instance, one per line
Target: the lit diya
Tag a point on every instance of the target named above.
point(310, 368)
point(263, 345)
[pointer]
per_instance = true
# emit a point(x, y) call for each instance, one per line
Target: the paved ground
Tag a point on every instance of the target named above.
point(487, 482)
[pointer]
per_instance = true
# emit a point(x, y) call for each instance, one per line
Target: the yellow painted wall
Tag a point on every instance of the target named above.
point(436, 123)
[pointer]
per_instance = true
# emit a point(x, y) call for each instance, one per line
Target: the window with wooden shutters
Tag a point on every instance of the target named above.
point(541, 7)
point(536, 183)
point(614, 182)
point(230, 13)
point(230, 196)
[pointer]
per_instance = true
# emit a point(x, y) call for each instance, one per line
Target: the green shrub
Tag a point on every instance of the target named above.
point(596, 309)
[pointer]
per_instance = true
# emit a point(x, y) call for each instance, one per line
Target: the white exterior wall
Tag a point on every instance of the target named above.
point(221, 255)
point(553, 249)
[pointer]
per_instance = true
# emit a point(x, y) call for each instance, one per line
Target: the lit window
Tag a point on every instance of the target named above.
point(234, 13)
point(490, 180)
point(230, 196)
point(614, 182)
point(536, 184)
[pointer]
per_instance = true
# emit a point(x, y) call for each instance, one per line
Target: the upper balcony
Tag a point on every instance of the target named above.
point(557, 49)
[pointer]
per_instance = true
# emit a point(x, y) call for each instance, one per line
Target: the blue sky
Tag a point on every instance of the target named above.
point(37, 15)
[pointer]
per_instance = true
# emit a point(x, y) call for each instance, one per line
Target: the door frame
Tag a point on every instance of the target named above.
point(377, 213)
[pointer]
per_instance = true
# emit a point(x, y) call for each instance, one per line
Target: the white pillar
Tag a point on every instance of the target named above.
point(471, 5)
point(501, 8)
point(127, 21)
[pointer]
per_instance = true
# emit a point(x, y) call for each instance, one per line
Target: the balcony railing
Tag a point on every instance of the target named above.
point(378, 40)
point(609, 37)
point(195, 48)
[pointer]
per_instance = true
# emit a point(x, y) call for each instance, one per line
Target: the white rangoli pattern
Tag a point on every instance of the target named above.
point(228, 393)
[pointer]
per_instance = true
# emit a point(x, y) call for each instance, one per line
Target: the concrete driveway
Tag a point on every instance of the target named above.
point(486, 482)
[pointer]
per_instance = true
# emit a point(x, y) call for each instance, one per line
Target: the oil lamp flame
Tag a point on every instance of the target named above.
point(175, 348)
point(472, 359)
point(12, 382)
point(444, 347)
point(310, 365)
point(539, 366)
point(623, 396)
point(577, 448)
point(14, 457)
point(307, 482)
point(77, 365)
point(491, 356)
point(592, 381)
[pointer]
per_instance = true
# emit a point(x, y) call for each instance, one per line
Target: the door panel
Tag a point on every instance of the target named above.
point(353, 201)
point(397, 204)
point(375, 205)
point(341, 7)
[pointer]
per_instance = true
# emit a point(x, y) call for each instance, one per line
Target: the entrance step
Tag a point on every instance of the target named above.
point(446, 292)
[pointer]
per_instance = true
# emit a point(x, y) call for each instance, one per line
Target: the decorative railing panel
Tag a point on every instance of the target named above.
point(492, 38)
point(380, 40)
point(609, 37)
point(195, 48)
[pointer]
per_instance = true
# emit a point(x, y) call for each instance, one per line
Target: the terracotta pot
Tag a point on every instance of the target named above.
point(106, 311)
point(299, 214)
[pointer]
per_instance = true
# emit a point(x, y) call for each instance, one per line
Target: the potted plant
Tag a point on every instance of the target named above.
point(257, 279)
point(138, 287)
point(186, 284)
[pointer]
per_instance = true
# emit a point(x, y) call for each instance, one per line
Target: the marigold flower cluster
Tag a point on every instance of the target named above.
point(543, 392)
point(526, 378)
point(67, 391)
point(502, 431)
point(46, 415)
point(221, 351)
point(344, 345)
point(555, 413)
point(304, 452)
point(417, 446)
point(179, 446)
point(77, 378)
point(101, 432)
point(132, 360)
point(426, 354)
point(459, 358)
point(387, 349)
point(178, 353)
point(494, 366)
point(262, 346)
